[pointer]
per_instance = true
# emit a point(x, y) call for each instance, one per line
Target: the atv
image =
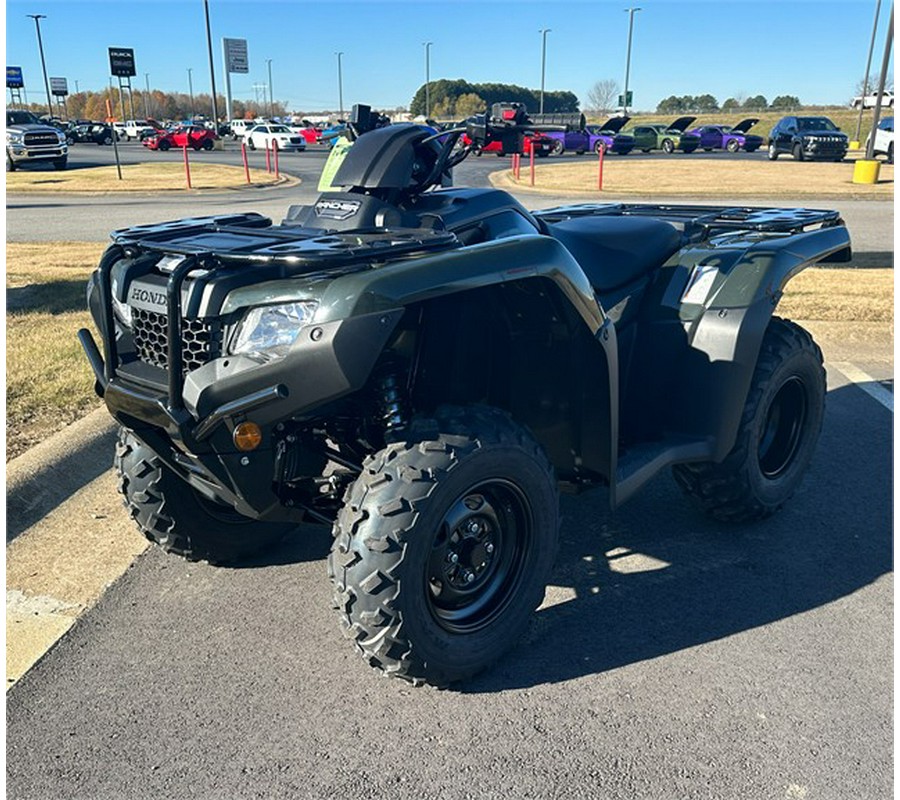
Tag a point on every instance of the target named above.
point(425, 367)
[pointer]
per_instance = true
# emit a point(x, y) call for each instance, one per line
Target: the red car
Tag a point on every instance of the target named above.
point(310, 135)
point(543, 146)
point(193, 136)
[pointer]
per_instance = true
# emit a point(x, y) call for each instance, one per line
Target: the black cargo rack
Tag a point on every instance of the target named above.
point(706, 220)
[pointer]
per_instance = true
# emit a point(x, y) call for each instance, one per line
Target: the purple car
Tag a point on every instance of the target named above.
point(607, 136)
point(593, 137)
point(730, 138)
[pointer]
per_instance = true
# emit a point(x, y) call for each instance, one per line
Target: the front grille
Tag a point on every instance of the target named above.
point(200, 341)
point(296, 140)
point(41, 138)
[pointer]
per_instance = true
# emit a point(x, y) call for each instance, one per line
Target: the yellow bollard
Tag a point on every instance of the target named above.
point(866, 171)
point(854, 145)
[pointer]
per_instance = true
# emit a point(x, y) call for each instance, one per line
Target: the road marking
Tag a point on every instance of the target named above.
point(866, 382)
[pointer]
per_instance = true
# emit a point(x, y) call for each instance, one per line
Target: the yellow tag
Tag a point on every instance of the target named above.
point(336, 157)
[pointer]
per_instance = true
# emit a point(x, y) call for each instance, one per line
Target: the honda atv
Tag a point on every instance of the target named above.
point(423, 367)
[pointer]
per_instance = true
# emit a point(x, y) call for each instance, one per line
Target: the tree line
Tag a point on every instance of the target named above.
point(706, 103)
point(459, 98)
point(159, 105)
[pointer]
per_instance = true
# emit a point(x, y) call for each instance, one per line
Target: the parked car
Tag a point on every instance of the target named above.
point(608, 136)
point(310, 134)
point(332, 133)
point(884, 139)
point(729, 137)
point(29, 141)
point(195, 136)
point(813, 138)
point(869, 101)
point(263, 136)
point(91, 132)
point(668, 138)
point(543, 146)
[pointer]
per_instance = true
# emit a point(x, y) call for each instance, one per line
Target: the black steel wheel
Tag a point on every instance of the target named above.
point(181, 521)
point(445, 545)
point(779, 429)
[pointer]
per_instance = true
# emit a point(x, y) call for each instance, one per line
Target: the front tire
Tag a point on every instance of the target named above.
point(444, 547)
point(61, 163)
point(172, 515)
point(777, 436)
point(733, 146)
point(773, 152)
point(668, 146)
point(797, 152)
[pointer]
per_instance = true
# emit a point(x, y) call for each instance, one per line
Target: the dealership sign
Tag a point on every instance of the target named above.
point(236, 58)
point(14, 79)
point(59, 87)
point(121, 62)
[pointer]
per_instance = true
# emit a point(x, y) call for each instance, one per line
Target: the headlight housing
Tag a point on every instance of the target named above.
point(14, 137)
point(120, 309)
point(62, 137)
point(271, 330)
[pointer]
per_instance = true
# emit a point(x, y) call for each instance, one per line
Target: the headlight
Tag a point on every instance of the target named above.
point(271, 330)
point(62, 137)
point(15, 138)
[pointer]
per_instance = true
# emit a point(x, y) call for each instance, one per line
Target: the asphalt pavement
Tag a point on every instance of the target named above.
point(674, 657)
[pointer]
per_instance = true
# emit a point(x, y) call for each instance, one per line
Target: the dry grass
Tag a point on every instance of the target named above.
point(158, 177)
point(840, 295)
point(48, 381)
point(684, 176)
point(49, 384)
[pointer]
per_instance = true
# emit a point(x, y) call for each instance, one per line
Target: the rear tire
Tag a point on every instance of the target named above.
point(558, 148)
point(163, 145)
point(777, 436)
point(207, 145)
point(890, 153)
point(175, 517)
point(445, 545)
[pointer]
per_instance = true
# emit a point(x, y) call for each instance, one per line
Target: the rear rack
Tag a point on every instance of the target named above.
point(706, 220)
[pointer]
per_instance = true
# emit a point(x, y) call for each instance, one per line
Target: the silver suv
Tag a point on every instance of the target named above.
point(30, 141)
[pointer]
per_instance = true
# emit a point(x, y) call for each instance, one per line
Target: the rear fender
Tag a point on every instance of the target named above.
point(723, 302)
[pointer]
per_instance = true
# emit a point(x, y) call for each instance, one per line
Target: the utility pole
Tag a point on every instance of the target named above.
point(191, 91)
point(631, 13)
point(147, 96)
point(37, 24)
point(340, 85)
point(865, 88)
point(427, 79)
point(212, 70)
point(271, 101)
point(543, 32)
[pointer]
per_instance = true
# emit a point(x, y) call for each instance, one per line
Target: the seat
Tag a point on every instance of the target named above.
point(615, 251)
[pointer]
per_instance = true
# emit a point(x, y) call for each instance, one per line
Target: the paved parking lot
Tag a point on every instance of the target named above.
point(673, 658)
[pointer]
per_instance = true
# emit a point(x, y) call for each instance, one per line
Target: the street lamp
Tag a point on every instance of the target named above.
point(271, 101)
point(865, 87)
point(37, 24)
point(427, 79)
point(543, 32)
point(147, 96)
point(340, 85)
point(631, 13)
point(212, 71)
point(191, 90)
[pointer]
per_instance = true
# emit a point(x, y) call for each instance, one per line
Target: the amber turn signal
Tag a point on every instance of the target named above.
point(247, 436)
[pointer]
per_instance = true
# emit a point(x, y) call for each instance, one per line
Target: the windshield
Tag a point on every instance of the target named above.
point(279, 129)
point(21, 118)
point(816, 124)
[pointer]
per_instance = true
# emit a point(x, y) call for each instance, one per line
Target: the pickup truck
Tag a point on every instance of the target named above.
point(29, 141)
point(138, 129)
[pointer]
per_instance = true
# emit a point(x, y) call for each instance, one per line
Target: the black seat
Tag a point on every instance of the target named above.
point(614, 251)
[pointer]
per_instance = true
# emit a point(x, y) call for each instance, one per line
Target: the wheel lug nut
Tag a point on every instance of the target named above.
point(470, 576)
point(474, 526)
point(489, 548)
point(452, 558)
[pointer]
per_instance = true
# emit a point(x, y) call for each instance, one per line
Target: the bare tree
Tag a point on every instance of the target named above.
point(602, 96)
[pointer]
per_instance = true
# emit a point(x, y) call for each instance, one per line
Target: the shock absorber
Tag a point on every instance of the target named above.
point(393, 407)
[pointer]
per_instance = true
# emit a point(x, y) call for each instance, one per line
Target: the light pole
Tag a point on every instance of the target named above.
point(876, 116)
point(191, 91)
point(212, 70)
point(865, 87)
point(340, 86)
point(543, 32)
point(147, 96)
point(271, 101)
point(37, 24)
point(631, 12)
point(76, 87)
point(427, 79)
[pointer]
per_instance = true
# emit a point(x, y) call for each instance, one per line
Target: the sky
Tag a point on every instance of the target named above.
point(814, 49)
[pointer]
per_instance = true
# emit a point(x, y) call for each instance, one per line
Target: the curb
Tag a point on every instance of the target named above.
point(43, 477)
